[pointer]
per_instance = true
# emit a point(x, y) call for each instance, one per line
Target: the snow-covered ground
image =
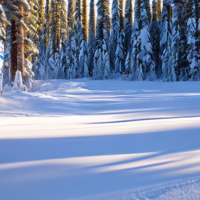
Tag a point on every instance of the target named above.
point(85, 139)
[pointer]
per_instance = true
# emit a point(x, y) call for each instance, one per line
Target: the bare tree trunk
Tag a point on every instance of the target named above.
point(13, 50)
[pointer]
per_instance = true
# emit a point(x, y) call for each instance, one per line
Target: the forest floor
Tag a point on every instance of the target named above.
point(85, 139)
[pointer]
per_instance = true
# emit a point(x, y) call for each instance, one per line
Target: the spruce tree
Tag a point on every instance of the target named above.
point(64, 37)
point(91, 37)
point(175, 68)
point(53, 56)
point(155, 39)
point(76, 40)
point(3, 24)
point(128, 24)
point(101, 57)
point(166, 40)
point(39, 63)
point(83, 55)
point(191, 41)
point(197, 36)
point(115, 31)
point(66, 69)
point(23, 33)
point(183, 63)
point(142, 55)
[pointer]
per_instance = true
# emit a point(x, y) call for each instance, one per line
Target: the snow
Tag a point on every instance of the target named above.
point(86, 139)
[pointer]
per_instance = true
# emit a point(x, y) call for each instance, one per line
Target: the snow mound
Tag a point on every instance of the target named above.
point(183, 190)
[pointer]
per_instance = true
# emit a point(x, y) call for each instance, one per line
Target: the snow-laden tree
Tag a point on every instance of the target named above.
point(101, 57)
point(64, 37)
point(83, 60)
point(91, 37)
point(191, 41)
point(166, 40)
point(83, 54)
point(183, 63)
point(175, 68)
point(128, 23)
point(39, 62)
point(52, 53)
point(117, 57)
point(198, 43)
point(142, 55)
point(134, 68)
point(75, 67)
point(115, 31)
point(155, 39)
point(3, 23)
point(119, 53)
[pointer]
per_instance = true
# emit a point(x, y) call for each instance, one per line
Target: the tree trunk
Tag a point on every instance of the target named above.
point(13, 50)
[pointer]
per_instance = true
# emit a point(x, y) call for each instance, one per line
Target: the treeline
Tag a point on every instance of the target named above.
point(55, 40)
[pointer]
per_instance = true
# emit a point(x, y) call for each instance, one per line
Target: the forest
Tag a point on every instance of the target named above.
point(134, 40)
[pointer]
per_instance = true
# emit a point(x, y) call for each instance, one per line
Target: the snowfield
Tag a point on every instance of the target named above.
point(96, 140)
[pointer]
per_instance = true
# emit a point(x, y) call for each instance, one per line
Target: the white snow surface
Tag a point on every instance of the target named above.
point(95, 140)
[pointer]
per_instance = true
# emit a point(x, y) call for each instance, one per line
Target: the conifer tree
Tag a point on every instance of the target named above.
point(155, 39)
point(64, 37)
point(91, 37)
point(197, 36)
point(66, 70)
point(142, 61)
point(19, 14)
point(3, 24)
point(76, 40)
point(117, 58)
point(183, 63)
point(83, 56)
point(115, 31)
point(52, 53)
point(101, 57)
point(191, 41)
point(39, 63)
point(174, 69)
point(128, 24)
point(166, 39)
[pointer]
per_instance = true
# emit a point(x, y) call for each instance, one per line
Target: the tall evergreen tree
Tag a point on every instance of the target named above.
point(183, 63)
point(3, 24)
point(53, 56)
point(142, 55)
point(39, 64)
point(174, 68)
point(115, 32)
point(155, 39)
point(101, 57)
point(64, 37)
point(83, 55)
point(197, 37)
point(128, 24)
point(66, 69)
point(166, 39)
point(91, 37)
point(191, 41)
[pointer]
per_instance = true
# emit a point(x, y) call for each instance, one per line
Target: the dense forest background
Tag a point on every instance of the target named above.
point(49, 39)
